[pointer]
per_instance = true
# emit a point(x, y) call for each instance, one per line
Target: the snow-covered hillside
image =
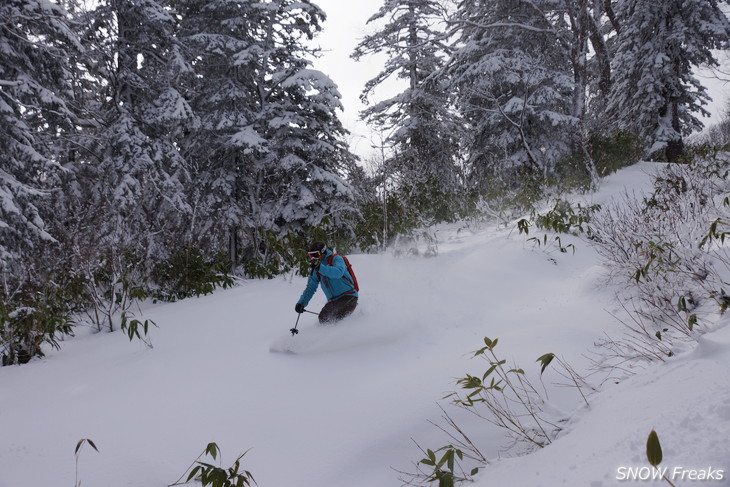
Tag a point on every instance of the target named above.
point(348, 410)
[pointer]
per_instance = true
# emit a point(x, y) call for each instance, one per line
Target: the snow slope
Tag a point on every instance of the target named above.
point(347, 409)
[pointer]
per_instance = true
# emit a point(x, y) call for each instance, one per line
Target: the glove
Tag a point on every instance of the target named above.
point(315, 265)
point(299, 308)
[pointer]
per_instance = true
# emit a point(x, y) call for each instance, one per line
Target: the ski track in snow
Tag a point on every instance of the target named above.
point(347, 407)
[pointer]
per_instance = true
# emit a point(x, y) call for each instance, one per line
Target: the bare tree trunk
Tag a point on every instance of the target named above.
point(581, 21)
point(608, 8)
point(603, 58)
point(675, 147)
point(233, 246)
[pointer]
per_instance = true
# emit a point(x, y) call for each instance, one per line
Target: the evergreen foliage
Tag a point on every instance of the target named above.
point(655, 93)
point(36, 113)
point(423, 130)
point(29, 321)
point(512, 74)
point(187, 273)
point(269, 154)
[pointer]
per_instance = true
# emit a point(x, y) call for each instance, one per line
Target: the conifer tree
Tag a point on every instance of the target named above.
point(269, 157)
point(36, 108)
point(514, 80)
point(130, 180)
point(423, 129)
point(655, 93)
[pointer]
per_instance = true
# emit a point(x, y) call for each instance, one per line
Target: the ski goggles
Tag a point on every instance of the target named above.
point(314, 254)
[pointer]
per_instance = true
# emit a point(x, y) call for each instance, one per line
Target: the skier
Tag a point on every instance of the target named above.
point(338, 283)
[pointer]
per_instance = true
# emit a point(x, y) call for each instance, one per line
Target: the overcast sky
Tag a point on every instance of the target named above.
point(718, 87)
point(346, 25)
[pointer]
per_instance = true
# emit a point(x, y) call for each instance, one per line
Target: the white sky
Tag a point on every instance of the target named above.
point(717, 82)
point(346, 25)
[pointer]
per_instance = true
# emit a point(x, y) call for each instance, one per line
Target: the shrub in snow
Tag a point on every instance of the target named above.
point(612, 152)
point(445, 465)
point(279, 254)
point(36, 308)
point(188, 273)
point(28, 321)
point(510, 400)
point(564, 218)
point(215, 476)
point(113, 282)
point(444, 469)
point(667, 257)
point(77, 454)
point(133, 327)
point(561, 218)
point(504, 397)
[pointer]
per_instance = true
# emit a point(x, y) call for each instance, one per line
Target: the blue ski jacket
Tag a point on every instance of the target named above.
point(335, 280)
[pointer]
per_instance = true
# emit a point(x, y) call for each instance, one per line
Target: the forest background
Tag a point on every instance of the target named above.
point(161, 149)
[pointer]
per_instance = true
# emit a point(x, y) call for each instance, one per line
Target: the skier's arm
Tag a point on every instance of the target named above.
point(312, 284)
point(334, 271)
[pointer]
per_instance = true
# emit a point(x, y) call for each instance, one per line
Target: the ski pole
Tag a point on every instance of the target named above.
point(294, 330)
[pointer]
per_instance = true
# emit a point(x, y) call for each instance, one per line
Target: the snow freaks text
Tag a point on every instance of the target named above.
point(676, 473)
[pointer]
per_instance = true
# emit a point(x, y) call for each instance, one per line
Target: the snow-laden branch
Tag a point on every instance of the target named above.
point(496, 25)
point(11, 83)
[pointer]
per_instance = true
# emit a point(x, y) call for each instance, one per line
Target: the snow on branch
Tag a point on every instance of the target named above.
point(11, 83)
point(509, 25)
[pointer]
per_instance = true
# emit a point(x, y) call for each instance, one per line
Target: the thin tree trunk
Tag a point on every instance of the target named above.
point(675, 147)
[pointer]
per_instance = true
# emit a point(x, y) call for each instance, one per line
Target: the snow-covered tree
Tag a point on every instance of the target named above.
point(597, 18)
point(423, 129)
point(270, 156)
point(513, 75)
point(123, 204)
point(37, 118)
point(35, 110)
point(131, 180)
point(659, 43)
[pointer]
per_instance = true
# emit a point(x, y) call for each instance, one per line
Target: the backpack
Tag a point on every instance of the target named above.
point(349, 269)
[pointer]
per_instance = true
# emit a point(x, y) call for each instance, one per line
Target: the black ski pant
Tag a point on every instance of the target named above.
point(337, 309)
